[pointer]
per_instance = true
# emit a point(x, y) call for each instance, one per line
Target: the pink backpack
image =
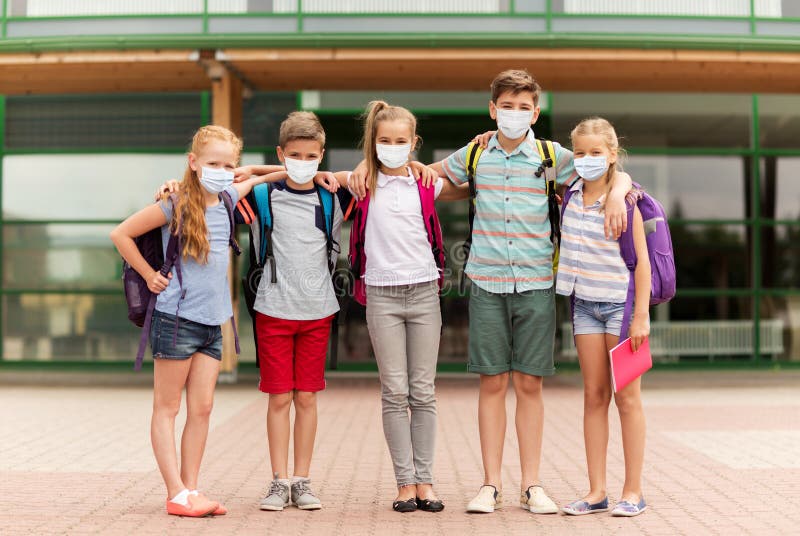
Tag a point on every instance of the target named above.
point(358, 255)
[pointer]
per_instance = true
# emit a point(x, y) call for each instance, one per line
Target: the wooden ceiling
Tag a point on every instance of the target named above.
point(572, 69)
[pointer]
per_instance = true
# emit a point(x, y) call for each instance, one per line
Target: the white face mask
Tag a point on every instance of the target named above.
point(215, 180)
point(514, 123)
point(393, 156)
point(591, 168)
point(301, 171)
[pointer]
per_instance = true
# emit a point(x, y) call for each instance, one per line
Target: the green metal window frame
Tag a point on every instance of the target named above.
point(756, 291)
point(206, 39)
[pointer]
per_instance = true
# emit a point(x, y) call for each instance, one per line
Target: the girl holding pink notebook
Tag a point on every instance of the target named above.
point(592, 271)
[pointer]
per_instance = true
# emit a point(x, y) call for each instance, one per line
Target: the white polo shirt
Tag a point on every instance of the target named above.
point(397, 247)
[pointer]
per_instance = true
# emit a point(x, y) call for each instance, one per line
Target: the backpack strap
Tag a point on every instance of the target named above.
point(226, 199)
point(171, 258)
point(327, 204)
point(547, 153)
point(263, 197)
point(350, 207)
point(474, 151)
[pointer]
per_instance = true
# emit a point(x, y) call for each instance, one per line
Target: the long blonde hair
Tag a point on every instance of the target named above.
point(376, 112)
point(597, 126)
point(190, 208)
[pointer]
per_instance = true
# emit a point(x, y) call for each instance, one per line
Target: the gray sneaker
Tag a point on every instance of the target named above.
point(277, 497)
point(303, 497)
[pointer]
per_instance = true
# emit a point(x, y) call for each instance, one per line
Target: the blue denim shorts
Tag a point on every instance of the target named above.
point(597, 317)
point(192, 337)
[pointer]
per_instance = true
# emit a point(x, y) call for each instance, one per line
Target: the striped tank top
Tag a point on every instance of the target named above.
point(590, 265)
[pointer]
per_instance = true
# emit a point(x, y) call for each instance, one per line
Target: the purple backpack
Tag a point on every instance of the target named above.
point(142, 302)
point(659, 250)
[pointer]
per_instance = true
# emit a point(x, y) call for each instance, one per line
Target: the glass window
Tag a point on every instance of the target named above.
point(696, 187)
point(779, 119)
point(740, 8)
point(780, 253)
point(780, 194)
point(659, 119)
point(109, 121)
point(60, 257)
point(710, 308)
point(49, 8)
point(80, 327)
point(711, 256)
point(87, 186)
point(780, 326)
point(262, 115)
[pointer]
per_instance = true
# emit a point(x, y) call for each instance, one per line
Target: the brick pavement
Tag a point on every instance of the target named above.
point(722, 458)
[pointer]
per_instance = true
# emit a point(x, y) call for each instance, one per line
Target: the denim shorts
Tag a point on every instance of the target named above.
point(597, 317)
point(192, 338)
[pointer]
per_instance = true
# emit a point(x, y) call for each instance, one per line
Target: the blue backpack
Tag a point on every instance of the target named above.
point(262, 194)
point(261, 251)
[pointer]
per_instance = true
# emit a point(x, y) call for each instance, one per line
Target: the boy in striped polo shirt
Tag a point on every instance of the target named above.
point(512, 306)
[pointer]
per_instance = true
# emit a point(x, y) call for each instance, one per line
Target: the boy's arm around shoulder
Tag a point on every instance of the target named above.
point(451, 192)
point(453, 168)
point(244, 187)
point(616, 218)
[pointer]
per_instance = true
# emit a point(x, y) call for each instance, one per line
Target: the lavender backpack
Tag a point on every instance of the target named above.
point(659, 250)
point(142, 302)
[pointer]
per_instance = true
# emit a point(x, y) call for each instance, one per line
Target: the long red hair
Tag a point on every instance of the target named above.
point(190, 209)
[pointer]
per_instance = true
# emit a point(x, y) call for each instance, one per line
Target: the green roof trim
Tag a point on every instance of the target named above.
point(383, 40)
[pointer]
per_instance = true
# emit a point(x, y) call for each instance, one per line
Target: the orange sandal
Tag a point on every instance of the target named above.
point(220, 511)
point(199, 506)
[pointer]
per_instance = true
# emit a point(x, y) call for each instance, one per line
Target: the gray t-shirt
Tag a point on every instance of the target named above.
point(207, 297)
point(303, 290)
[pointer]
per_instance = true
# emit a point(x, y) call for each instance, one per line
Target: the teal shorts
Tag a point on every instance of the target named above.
point(514, 331)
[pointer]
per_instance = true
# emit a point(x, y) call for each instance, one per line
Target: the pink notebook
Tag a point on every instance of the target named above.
point(626, 365)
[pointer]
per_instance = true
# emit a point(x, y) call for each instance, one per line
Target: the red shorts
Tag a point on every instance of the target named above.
point(291, 353)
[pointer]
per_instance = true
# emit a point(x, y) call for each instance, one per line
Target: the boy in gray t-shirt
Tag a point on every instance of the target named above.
point(293, 307)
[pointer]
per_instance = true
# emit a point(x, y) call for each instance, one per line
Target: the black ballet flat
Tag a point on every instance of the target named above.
point(430, 506)
point(406, 506)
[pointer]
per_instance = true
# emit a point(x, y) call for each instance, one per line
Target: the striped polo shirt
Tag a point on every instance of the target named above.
point(590, 264)
point(511, 249)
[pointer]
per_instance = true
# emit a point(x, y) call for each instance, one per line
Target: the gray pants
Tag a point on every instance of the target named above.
point(404, 324)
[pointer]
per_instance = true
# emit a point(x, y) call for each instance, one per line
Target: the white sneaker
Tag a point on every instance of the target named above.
point(486, 501)
point(536, 500)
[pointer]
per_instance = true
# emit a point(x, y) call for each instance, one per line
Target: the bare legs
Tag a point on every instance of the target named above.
point(278, 430)
point(199, 375)
point(593, 357)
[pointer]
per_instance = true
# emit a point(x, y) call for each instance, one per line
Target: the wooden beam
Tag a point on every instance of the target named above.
point(101, 72)
point(556, 69)
point(226, 111)
point(568, 69)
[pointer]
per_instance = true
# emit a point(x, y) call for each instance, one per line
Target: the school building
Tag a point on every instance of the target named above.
point(98, 100)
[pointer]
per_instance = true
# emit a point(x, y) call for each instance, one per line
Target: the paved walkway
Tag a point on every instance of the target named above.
point(723, 457)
